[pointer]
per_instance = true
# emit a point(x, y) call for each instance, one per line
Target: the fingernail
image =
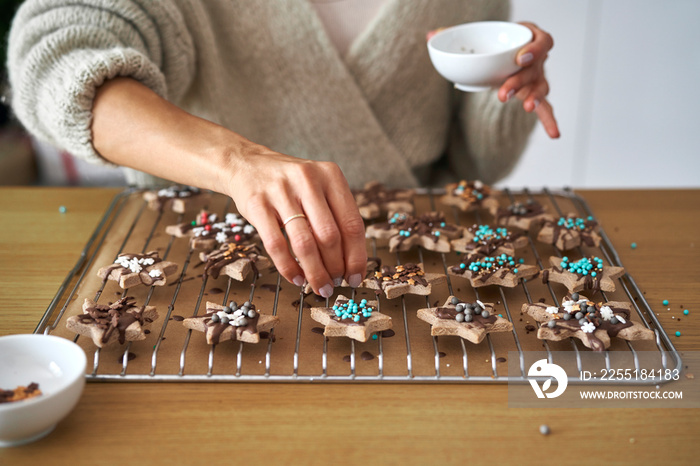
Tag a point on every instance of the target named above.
point(537, 103)
point(338, 281)
point(298, 280)
point(510, 94)
point(355, 280)
point(525, 59)
point(326, 291)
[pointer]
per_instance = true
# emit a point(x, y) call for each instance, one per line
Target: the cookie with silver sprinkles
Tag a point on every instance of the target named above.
point(525, 216)
point(592, 323)
point(232, 322)
point(470, 321)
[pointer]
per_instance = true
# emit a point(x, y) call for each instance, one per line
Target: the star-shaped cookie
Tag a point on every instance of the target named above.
point(570, 232)
point(399, 280)
point(471, 321)
point(232, 322)
point(373, 264)
point(138, 269)
point(347, 318)
point(501, 270)
point(179, 199)
point(468, 196)
point(527, 215)
point(484, 239)
point(402, 231)
point(376, 200)
point(235, 260)
point(119, 321)
point(587, 273)
point(592, 323)
point(207, 232)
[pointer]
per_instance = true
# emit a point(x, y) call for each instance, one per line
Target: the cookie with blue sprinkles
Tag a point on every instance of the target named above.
point(570, 232)
point(402, 232)
point(376, 200)
point(587, 273)
point(501, 269)
point(352, 319)
point(485, 239)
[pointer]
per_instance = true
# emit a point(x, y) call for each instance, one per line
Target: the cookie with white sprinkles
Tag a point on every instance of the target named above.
point(470, 321)
point(177, 198)
point(235, 260)
point(592, 323)
point(232, 322)
point(138, 269)
point(207, 231)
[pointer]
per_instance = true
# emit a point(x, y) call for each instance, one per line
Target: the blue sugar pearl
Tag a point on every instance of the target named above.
point(374, 336)
point(593, 274)
point(633, 245)
point(665, 302)
point(678, 333)
point(62, 209)
point(442, 224)
point(686, 312)
point(356, 318)
point(462, 266)
point(515, 270)
point(521, 261)
point(338, 313)
point(437, 233)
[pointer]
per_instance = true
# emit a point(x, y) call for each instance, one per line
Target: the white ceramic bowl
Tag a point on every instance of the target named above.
point(478, 56)
point(57, 365)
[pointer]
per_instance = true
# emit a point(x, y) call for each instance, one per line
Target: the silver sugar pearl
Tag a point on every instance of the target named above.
point(459, 317)
point(252, 313)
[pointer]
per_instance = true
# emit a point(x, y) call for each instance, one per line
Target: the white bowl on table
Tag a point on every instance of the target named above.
point(57, 365)
point(478, 56)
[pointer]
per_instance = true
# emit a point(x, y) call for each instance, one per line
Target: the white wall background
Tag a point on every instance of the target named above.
point(625, 86)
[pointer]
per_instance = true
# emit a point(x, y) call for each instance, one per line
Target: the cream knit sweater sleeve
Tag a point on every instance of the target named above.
point(60, 51)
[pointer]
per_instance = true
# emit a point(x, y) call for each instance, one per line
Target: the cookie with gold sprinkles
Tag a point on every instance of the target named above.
point(468, 196)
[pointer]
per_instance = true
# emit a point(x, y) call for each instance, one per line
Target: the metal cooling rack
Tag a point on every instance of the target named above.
point(668, 356)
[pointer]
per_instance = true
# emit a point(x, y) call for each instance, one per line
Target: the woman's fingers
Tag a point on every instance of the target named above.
point(545, 113)
point(350, 224)
point(261, 215)
point(537, 49)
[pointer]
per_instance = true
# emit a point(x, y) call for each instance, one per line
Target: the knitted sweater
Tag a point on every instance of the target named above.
point(268, 71)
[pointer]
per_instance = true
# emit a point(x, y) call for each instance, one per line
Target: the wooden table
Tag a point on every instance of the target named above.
point(285, 423)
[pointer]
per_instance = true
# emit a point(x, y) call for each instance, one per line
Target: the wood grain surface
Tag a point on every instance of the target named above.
point(196, 423)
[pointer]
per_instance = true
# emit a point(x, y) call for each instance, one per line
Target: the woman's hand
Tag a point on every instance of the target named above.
point(270, 189)
point(134, 127)
point(530, 84)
